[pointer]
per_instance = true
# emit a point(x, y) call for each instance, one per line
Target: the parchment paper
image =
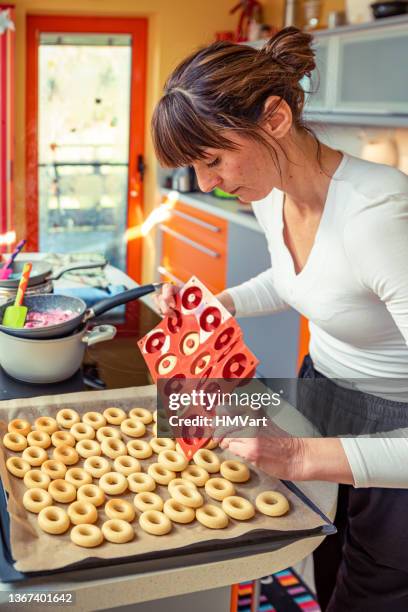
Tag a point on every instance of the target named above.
point(34, 550)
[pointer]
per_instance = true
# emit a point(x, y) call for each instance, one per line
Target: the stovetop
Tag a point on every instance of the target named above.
point(109, 365)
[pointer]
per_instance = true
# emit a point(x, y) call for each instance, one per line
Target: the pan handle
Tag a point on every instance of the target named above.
point(119, 299)
point(79, 266)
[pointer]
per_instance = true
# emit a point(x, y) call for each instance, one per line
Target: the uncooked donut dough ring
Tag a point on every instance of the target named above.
point(14, 441)
point(126, 465)
point(172, 460)
point(113, 448)
point(140, 482)
point(208, 460)
point(54, 469)
point(62, 438)
point(62, 491)
point(87, 536)
point(160, 474)
point(134, 428)
point(272, 503)
point(177, 512)
point(113, 483)
point(235, 471)
point(53, 520)
point(212, 517)
point(35, 455)
point(65, 454)
point(114, 416)
point(66, 418)
point(211, 444)
point(140, 449)
point(97, 466)
point(82, 431)
point(81, 512)
point(78, 477)
point(120, 509)
point(155, 522)
point(187, 496)
point(34, 500)
point(95, 419)
point(160, 444)
point(107, 432)
point(177, 482)
point(219, 488)
point(20, 426)
point(39, 438)
point(88, 448)
point(91, 493)
point(195, 474)
point(17, 466)
point(238, 508)
point(36, 479)
point(142, 414)
point(118, 531)
point(47, 424)
point(148, 501)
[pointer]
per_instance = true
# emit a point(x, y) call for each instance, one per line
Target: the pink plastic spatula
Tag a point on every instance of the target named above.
point(6, 270)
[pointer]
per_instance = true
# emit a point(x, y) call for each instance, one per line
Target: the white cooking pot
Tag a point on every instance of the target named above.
point(49, 361)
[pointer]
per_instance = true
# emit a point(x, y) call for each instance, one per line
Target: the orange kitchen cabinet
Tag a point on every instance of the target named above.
point(304, 337)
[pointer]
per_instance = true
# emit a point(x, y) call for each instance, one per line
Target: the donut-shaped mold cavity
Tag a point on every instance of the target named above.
point(224, 338)
point(155, 342)
point(227, 351)
point(198, 366)
point(191, 298)
point(235, 366)
point(175, 384)
point(190, 343)
point(166, 364)
point(175, 322)
point(210, 319)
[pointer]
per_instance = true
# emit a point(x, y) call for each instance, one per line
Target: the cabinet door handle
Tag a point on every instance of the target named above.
point(192, 243)
point(200, 222)
point(164, 272)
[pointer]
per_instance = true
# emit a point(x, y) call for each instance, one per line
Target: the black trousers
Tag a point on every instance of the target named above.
point(364, 567)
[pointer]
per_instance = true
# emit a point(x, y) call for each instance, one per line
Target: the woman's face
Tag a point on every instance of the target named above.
point(248, 171)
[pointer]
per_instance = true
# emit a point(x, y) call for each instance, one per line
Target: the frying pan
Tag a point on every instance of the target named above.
point(42, 272)
point(50, 301)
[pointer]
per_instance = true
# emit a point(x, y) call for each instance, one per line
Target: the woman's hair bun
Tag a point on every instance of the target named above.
point(292, 49)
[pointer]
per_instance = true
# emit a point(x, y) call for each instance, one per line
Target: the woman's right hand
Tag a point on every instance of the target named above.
point(164, 301)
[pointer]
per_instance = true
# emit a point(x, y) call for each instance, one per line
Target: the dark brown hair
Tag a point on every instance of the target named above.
point(224, 87)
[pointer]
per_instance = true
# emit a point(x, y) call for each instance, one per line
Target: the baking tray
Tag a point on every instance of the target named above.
point(209, 551)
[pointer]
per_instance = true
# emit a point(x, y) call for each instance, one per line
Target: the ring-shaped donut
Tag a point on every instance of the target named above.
point(15, 442)
point(35, 455)
point(95, 419)
point(208, 460)
point(34, 500)
point(140, 449)
point(53, 519)
point(238, 508)
point(155, 522)
point(126, 465)
point(117, 531)
point(91, 493)
point(54, 469)
point(140, 482)
point(177, 482)
point(62, 491)
point(212, 517)
point(235, 471)
point(272, 503)
point(148, 501)
point(160, 474)
point(82, 431)
point(187, 496)
point(65, 454)
point(81, 512)
point(211, 444)
point(20, 426)
point(120, 509)
point(172, 460)
point(196, 474)
point(107, 432)
point(62, 438)
point(18, 466)
point(114, 416)
point(87, 536)
point(78, 477)
point(39, 438)
point(66, 418)
point(142, 414)
point(219, 488)
point(97, 466)
point(113, 483)
point(36, 479)
point(88, 448)
point(47, 424)
point(160, 444)
point(177, 512)
point(134, 428)
point(112, 448)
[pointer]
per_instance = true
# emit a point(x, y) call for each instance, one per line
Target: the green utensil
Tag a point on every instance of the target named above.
point(15, 316)
point(219, 193)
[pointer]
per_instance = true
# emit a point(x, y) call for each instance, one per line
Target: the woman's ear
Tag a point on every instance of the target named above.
point(277, 117)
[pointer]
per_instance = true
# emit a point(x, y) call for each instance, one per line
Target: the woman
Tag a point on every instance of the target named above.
point(337, 230)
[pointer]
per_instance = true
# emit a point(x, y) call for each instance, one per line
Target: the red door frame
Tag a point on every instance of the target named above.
point(137, 28)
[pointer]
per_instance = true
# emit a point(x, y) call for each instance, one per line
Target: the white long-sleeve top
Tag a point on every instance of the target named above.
point(354, 291)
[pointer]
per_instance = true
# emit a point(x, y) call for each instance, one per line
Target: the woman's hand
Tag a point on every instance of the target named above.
point(164, 301)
